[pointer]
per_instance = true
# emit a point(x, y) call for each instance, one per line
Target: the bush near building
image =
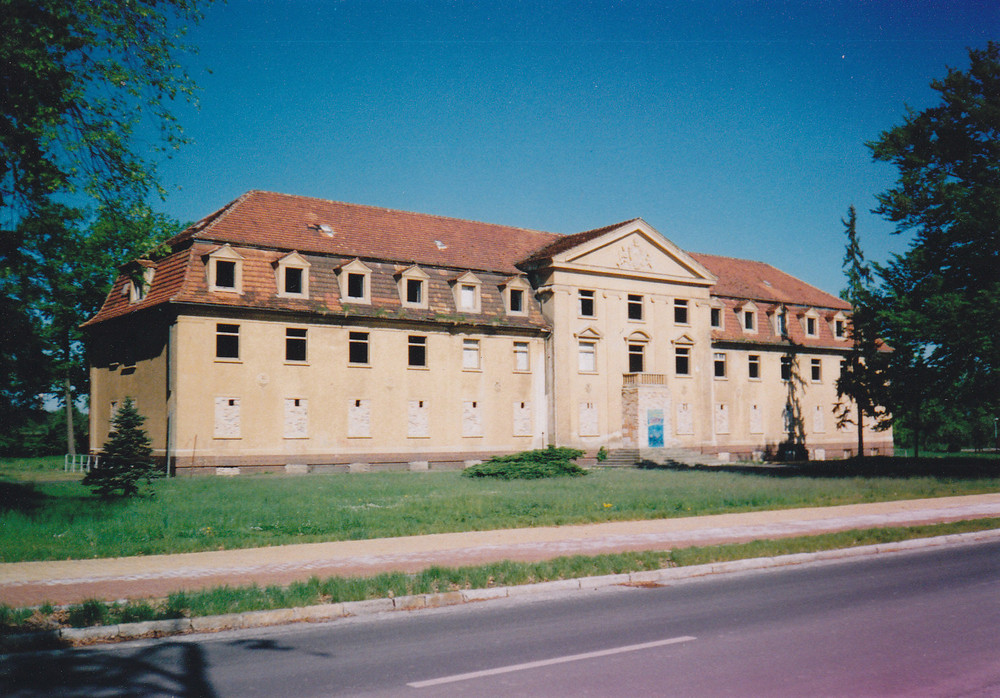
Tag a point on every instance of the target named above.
point(530, 465)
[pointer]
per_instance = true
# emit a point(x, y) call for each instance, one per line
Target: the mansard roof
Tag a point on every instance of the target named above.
point(759, 281)
point(265, 226)
point(283, 221)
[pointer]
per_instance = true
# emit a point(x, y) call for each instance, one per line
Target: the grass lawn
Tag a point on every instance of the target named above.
point(43, 518)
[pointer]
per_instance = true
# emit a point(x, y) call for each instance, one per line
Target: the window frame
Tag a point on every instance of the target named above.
point(293, 262)
point(635, 307)
point(715, 318)
point(753, 367)
point(416, 348)
point(816, 370)
point(414, 278)
point(682, 353)
point(636, 349)
point(230, 333)
point(227, 255)
point(526, 353)
point(719, 359)
point(586, 297)
point(515, 287)
point(476, 346)
point(354, 269)
point(358, 339)
point(785, 370)
point(586, 347)
point(294, 338)
point(682, 311)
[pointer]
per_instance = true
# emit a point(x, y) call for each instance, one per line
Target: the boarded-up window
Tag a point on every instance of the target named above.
point(227, 418)
point(296, 418)
point(522, 418)
point(472, 418)
point(418, 420)
point(756, 419)
point(470, 354)
point(819, 422)
point(685, 421)
point(359, 419)
point(588, 357)
point(721, 418)
point(588, 419)
point(522, 360)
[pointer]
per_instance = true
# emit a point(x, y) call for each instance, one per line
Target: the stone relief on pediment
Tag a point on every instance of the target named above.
point(632, 256)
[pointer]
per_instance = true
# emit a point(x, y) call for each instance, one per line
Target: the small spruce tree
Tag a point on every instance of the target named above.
point(127, 457)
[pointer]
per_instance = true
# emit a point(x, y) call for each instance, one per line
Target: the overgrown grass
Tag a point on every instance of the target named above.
point(222, 600)
point(60, 520)
point(41, 469)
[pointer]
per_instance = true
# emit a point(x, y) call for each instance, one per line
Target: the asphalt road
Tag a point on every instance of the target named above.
point(925, 623)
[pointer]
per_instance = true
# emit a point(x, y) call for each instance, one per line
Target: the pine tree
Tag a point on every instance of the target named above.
point(862, 378)
point(127, 457)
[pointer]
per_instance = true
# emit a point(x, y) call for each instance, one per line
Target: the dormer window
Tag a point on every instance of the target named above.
point(715, 318)
point(467, 293)
point(515, 293)
point(412, 285)
point(355, 282)
point(748, 317)
point(810, 323)
point(839, 326)
point(781, 323)
point(139, 285)
point(293, 276)
point(225, 270)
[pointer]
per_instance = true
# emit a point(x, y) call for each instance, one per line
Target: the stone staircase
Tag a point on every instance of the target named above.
point(679, 456)
point(630, 457)
point(620, 458)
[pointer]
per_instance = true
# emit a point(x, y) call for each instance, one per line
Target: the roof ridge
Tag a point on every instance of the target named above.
point(399, 210)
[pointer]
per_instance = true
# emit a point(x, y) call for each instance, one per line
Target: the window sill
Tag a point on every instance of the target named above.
point(225, 289)
point(299, 296)
point(471, 370)
point(356, 436)
point(295, 438)
point(350, 365)
point(526, 372)
point(225, 360)
point(296, 363)
point(418, 368)
point(227, 438)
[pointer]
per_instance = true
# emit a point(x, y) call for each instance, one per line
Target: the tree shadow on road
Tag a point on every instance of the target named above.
point(955, 468)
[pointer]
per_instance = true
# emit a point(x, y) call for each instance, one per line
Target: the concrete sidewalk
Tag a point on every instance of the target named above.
point(71, 581)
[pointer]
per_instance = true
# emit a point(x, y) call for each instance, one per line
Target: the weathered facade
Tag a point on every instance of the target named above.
point(288, 331)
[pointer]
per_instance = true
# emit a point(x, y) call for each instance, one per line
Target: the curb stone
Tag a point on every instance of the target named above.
point(325, 612)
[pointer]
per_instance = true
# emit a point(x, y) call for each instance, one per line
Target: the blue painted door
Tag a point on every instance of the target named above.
point(654, 421)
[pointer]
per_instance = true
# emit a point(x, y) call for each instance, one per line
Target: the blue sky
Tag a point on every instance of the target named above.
point(733, 128)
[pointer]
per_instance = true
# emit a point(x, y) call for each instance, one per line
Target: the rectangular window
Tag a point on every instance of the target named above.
point(838, 329)
point(227, 418)
point(753, 365)
point(357, 347)
point(716, 318)
point(516, 300)
point(634, 307)
point(356, 286)
point(781, 324)
point(588, 357)
point(682, 361)
point(414, 291)
point(521, 357)
point(417, 354)
point(586, 303)
point(296, 418)
point(359, 419)
point(470, 354)
point(295, 344)
point(749, 320)
point(293, 280)
point(786, 368)
point(467, 295)
point(227, 341)
point(680, 311)
point(636, 358)
point(719, 359)
point(225, 274)
point(816, 370)
point(811, 326)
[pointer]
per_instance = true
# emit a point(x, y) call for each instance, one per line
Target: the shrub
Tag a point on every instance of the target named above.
point(127, 457)
point(530, 465)
point(602, 454)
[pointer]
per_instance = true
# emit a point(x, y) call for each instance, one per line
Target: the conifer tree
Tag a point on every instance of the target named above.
point(127, 457)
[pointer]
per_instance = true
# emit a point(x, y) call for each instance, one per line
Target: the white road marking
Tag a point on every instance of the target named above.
point(549, 662)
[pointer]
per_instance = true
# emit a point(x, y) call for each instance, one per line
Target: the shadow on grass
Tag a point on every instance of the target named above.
point(22, 497)
point(955, 468)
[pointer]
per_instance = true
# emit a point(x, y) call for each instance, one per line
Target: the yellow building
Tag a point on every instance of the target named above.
point(289, 332)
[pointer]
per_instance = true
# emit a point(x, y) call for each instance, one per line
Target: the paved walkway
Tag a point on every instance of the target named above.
point(71, 581)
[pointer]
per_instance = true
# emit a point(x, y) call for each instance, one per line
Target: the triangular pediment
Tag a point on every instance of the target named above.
point(634, 249)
